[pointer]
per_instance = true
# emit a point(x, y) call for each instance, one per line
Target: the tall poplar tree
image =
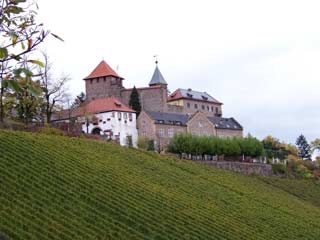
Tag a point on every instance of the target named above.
point(134, 101)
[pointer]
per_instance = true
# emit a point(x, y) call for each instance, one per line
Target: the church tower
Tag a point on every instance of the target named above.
point(103, 82)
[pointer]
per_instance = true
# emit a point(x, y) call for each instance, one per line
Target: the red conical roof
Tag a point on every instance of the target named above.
point(102, 70)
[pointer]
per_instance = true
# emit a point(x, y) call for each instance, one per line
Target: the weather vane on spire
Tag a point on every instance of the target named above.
point(156, 58)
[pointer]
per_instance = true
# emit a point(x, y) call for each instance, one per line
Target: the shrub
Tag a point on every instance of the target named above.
point(150, 145)
point(51, 131)
point(279, 169)
point(303, 172)
point(142, 143)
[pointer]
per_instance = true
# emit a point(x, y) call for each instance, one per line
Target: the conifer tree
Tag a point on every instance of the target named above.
point(134, 101)
point(304, 148)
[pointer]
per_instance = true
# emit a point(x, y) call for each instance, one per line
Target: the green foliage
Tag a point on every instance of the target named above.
point(79, 100)
point(274, 149)
point(150, 146)
point(315, 145)
point(304, 148)
point(134, 101)
point(200, 145)
point(142, 143)
point(279, 169)
point(51, 131)
point(20, 35)
point(54, 187)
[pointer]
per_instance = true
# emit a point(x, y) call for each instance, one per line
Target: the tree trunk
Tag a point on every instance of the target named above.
point(1, 105)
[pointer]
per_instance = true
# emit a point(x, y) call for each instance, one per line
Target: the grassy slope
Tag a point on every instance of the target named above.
point(61, 188)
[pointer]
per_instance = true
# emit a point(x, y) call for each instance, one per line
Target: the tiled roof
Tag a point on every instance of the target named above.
point(102, 70)
point(191, 94)
point(225, 123)
point(105, 105)
point(157, 78)
point(169, 118)
point(93, 107)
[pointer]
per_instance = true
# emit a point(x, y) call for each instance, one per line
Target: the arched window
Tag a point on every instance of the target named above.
point(96, 131)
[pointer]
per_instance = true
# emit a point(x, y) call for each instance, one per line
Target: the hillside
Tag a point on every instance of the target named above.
point(54, 187)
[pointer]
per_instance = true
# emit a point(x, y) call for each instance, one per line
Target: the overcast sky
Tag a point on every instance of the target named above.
point(260, 58)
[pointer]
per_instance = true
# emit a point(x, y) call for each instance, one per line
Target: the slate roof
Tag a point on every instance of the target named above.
point(225, 123)
point(182, 119)
point(157, 78)
point(181, 93)
point(102, 70)
point(169, 118)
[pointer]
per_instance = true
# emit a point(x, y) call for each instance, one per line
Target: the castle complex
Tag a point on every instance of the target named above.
point(163, 115)
point(106, 111)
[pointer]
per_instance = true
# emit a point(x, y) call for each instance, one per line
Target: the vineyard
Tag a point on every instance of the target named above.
point(53, 187)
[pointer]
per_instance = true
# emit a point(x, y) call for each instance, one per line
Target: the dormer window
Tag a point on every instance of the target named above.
point(117, 104)
point(189, 95)
point(204, 98)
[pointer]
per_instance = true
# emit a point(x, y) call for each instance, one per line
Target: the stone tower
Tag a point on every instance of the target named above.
point(103, 82)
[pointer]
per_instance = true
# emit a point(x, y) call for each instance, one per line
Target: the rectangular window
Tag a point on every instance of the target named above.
point(90, 81)
point(119, 115)
point(203, 107)
point(161, 132)
point(130, 116)
point(125, 115)
point(188, 105)
point(217, 110)
point(170, 132)
point(212, 109)
point(208, 109)
point(113, 114)
point(97, 80)
point(196, 106)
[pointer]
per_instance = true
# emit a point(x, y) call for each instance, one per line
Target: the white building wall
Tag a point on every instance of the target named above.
point(121, 127)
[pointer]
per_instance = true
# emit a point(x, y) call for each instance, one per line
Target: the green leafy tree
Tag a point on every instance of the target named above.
point(274, 149)
point(315, 145)
point(304, 148)
point(28, 105)
point(20, 35)
point(134, 101)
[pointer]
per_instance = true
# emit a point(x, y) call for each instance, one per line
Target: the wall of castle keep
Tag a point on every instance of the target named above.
point(151, 99)
point(103, 87)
